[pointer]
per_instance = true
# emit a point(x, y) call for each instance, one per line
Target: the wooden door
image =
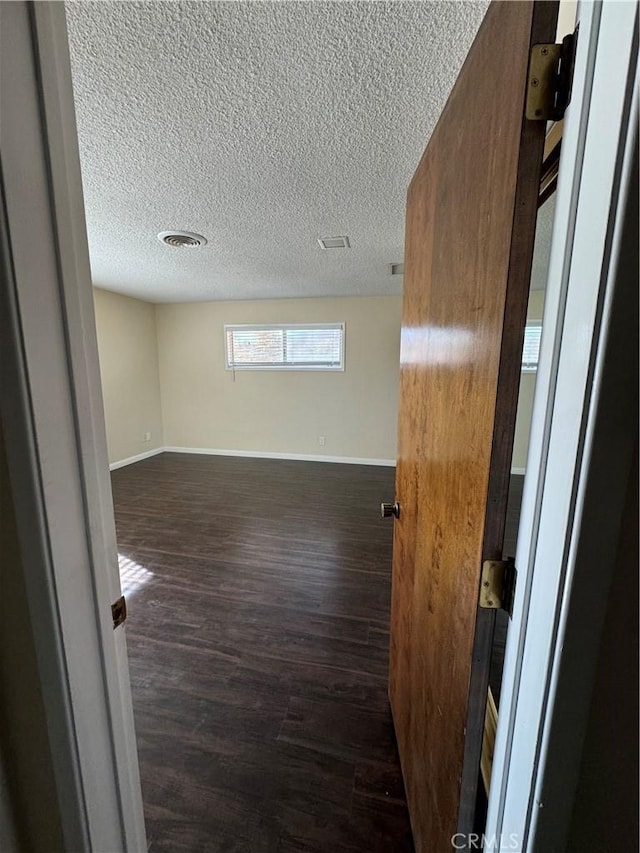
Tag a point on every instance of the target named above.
point(471, 211)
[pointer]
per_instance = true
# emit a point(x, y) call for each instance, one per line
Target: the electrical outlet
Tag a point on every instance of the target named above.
point(321, 440)
point(147, 436)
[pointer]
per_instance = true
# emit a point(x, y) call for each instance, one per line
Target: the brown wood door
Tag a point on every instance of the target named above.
point(471, 211)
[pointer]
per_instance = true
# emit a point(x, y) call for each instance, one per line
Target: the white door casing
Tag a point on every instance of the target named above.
point(51, 408)
point(594, 166)
point(54, 429)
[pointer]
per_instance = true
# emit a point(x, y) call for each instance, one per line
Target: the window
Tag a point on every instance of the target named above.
point(313, 346)
point(531, 348)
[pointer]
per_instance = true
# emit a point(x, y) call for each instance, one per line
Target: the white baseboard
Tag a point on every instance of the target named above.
point(259, 454)
point(301, 457)
point(138, 458)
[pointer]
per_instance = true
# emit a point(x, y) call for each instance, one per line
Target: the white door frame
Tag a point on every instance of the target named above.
point(51, 406)
point(529, 808)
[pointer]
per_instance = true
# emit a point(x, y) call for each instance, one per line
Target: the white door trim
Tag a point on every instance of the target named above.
point(51, 408)
point(580, 287)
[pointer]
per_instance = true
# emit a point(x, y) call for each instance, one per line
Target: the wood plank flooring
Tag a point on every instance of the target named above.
point(258, 647)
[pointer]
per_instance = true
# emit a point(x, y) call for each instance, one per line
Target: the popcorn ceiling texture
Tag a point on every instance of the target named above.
point(262, 126)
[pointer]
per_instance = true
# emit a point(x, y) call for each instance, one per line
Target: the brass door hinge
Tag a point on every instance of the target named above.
point(119, 611)
point(550, 78)
point(498, 585)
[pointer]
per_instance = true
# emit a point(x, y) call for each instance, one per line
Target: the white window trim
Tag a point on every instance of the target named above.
point(232, 327)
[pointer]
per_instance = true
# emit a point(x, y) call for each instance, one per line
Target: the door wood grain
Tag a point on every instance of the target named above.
point(471, 210)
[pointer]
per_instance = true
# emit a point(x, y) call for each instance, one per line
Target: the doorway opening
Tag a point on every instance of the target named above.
point(267, 579)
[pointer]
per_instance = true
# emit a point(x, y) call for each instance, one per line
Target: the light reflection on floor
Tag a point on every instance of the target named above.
point(132, 575)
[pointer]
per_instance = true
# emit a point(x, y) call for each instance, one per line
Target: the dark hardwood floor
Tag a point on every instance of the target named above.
point(258, 595)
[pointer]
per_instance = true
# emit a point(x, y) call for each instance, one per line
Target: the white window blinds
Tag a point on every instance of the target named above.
point(531, 348)
point(285, 347)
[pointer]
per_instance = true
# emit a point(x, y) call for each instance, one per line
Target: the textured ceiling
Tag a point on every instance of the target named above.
point(261, 126)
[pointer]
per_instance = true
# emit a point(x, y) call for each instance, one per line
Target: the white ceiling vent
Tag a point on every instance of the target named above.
point(334, 242)
point(182, 239)
point(396, 269)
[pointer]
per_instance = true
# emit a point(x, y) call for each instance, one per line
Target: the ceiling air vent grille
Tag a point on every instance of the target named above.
point(182, 239)
point(334, 242)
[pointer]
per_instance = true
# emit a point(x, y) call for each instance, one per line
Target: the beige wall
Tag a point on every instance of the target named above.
point(566, 18)
point(162, 371)
point(206, 406)
point(525, 399)
point(127, 344)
